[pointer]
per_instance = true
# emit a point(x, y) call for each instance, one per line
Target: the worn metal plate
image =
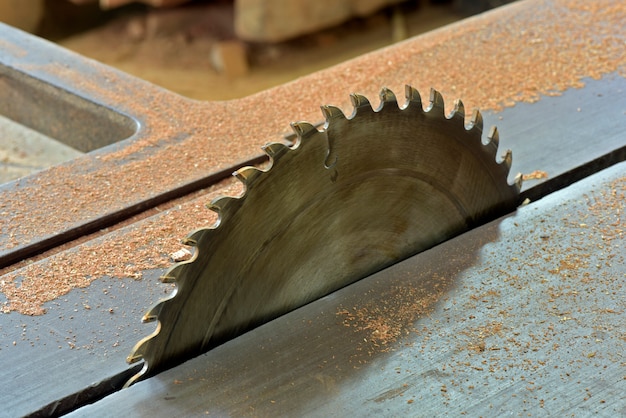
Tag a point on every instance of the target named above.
point(524, 315)
point(87, 368)
point(559, 134)
point(75, 352)
point(83, 99)
point(37, 374)
point(68, 370)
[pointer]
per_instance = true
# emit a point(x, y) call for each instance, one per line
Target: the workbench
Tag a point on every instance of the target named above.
point(521, 316)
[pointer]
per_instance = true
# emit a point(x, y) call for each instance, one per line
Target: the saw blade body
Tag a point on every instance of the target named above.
point(343, 202)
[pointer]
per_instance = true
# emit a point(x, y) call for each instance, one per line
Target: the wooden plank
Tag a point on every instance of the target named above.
point(524, 315)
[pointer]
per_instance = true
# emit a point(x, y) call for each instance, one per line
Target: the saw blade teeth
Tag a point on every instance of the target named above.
point(476, 122)
point(436, 102)
point(305, 129)
point(219, 205)
point(153, 313)
point(275, 149)
point(458, 111)
point(132, 359)
point(149, 318)
point(386, 97)
point(493, 139)
point(190, 240)
point(139, 374)
point(248, 175)
point(167, 278)
point(360, 102)
point(507, 160)
point(517, 181)
point(413, 97)
point(332, 112)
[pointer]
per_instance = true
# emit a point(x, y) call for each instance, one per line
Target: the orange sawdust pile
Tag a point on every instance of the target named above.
point(124, 253)
point(385, 323)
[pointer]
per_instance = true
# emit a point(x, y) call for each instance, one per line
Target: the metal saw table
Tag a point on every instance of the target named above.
point(522, 316)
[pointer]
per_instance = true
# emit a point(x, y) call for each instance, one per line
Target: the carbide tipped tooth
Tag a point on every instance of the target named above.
point(190, 241)
point(476, 123)
point(332, 112)
point(219, 204)
point(459, 110)
point(134, 358)
point(167, 278)
point(274, 149)
point(507, 159)
point(387, 96)
point(303, 129)
point(247, 175)
point(518, 180)
point(193, 238)
point(136, 377)
point(413, 97)
point(436, 101)
point(147, 318)
point(494, 137)
point(359, 101)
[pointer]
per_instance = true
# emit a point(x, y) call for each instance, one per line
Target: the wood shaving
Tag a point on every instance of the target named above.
point(183, 254)
point(535, 175)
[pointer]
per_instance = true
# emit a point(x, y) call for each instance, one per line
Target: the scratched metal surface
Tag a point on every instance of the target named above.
point(76, 350)
point(556, 134)
point(79, 348)
point(524, 315)
point(37, 374)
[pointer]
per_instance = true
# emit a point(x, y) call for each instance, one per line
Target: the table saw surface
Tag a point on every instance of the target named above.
point(524, 315)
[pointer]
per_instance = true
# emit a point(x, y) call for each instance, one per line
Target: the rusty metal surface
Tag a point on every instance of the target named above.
point(524, 315)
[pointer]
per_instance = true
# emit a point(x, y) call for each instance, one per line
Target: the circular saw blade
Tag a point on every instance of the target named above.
point(343, 202)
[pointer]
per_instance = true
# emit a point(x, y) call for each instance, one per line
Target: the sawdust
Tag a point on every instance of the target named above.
point(575, 270)
point(535, 175)
point(540, 49)
point(385, 324)
point(504, 58)
point(124, 253)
